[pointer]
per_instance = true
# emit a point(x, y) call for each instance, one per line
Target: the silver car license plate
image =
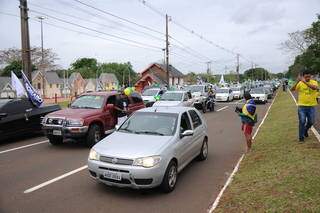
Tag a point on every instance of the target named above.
point(112, 175)
point(56, 132)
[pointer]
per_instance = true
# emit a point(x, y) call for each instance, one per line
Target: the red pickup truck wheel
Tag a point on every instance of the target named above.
point(94, 135)
point(54, 140)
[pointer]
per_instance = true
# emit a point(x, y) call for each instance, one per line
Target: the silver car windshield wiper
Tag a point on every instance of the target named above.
point(149, 132)
point(127, 130)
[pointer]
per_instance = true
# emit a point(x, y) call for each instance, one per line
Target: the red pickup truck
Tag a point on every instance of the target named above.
point(88, 118)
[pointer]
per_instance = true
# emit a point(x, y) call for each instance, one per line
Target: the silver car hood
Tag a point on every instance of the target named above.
point(129, 146)
point(167, 103)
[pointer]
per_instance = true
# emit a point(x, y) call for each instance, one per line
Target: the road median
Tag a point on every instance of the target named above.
point(279, 174)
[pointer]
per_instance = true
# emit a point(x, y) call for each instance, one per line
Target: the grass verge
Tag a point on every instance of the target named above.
point(279, 175)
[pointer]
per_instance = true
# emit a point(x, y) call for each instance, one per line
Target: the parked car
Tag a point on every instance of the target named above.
point(238, 92)
point(89, 118)
point(259, 95)
point(175, 98)
point(150, 148)
point(200, 94)
point(149, 95)
point(224, 94)
point(19, 116)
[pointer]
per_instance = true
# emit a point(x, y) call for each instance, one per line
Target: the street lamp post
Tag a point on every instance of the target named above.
point(42, 55)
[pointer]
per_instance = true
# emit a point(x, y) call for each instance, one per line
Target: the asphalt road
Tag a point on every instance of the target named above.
point(23, 167)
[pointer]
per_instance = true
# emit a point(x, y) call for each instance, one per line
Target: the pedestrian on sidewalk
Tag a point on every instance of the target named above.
point(248, 118)
point(307, 89)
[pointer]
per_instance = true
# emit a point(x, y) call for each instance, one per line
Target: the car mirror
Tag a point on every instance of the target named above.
point(29, 110)
point(3, 115)
point(187, 133)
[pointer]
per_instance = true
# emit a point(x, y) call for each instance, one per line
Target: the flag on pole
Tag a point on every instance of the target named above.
point(34, 97)
point(17, 85)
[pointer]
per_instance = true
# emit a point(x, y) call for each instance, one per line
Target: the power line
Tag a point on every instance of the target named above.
point(97, 31)
point(118, 17)
point(133, 30)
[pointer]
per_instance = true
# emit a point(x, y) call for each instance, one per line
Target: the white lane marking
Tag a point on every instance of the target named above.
point(54, 179)
point(22, 147)
point(222, 108)
point(315, 132)
point(229, 180)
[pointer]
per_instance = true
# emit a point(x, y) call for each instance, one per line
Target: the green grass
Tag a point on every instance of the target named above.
point(64, 104)
point(279, 175)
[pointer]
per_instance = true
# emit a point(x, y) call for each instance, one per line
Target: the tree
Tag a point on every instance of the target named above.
point(14, 66)
point(297, 42)
point(257, 74)
point(90, 63)
point(10, 55)
point(191, 78)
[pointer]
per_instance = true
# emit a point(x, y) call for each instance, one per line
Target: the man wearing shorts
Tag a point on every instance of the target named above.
point(248, 118)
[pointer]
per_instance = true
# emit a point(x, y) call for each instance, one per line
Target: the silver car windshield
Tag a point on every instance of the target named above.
point(151, 123)
point(88, 102)
point(150, 92)
point(3, 102)
point(222, 91)
point(258, 91)
point(171, 96)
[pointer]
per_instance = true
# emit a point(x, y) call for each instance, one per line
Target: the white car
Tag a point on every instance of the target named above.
point(175, 98)
point(148, 96)
point(224, 94)
point(150, 148)
point(238, 92)
point(259, 95)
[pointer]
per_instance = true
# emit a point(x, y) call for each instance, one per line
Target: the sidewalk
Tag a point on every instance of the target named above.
point(279, 175)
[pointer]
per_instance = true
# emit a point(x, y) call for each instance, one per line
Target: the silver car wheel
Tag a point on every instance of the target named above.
point(172, 176)
point(205, 149)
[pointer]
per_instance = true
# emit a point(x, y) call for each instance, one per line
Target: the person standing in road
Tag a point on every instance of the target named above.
point(307, 89)
point(248, 118)
point(121, 108)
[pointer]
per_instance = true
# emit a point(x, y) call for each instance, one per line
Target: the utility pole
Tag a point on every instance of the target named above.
point(25, 41)
point(252, 70)
point(209, 67)
point(167, 50)
point(129, 78)
point(238, 66)
point(42, 57)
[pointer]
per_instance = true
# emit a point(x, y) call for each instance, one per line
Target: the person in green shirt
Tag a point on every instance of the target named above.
point(307, 89)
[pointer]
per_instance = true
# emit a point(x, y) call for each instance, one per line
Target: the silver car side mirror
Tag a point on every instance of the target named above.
point(187, 133)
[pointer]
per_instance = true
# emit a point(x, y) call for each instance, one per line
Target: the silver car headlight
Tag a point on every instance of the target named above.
point(147, 162)
point(94, 155)
point(74, 122)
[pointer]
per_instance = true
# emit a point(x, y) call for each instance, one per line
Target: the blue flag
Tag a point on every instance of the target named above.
point(34, 97)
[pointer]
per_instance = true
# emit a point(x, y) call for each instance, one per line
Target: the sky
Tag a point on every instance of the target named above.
point(252, 28)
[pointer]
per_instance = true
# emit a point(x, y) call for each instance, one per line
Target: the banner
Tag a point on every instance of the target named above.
point(34, 97)
point(17, 86)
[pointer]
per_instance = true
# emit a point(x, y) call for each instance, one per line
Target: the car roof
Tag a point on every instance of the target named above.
point(165, 109)
point(102, 93)
point(176, 91)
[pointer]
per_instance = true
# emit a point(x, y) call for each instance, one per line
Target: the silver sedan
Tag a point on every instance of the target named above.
point(150, 148)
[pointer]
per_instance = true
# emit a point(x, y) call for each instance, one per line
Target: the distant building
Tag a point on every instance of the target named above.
point(48, 80)
point(91, 85)
point(76, 84)
point(156, 74)
point(6, 90)
point(109, 81)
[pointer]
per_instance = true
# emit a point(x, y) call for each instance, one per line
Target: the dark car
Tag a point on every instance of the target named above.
point(19, 116)
point(89, 118)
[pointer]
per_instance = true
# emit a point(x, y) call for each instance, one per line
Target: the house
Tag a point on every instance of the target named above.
point(109, 81)
point(91, 85)
point(76, 84)
point(156, 74)
point(48, 80)
point(6, 90)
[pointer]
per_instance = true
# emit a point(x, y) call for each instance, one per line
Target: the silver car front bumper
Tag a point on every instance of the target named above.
point(131, 176)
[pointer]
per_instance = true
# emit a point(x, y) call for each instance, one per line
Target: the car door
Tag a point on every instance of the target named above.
point(198, 133)
point(135, 103)
point(184, 144)
point(109, 115)
point(15, 121)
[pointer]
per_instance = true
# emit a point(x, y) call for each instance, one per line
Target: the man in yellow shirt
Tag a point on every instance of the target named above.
point(307, 89)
